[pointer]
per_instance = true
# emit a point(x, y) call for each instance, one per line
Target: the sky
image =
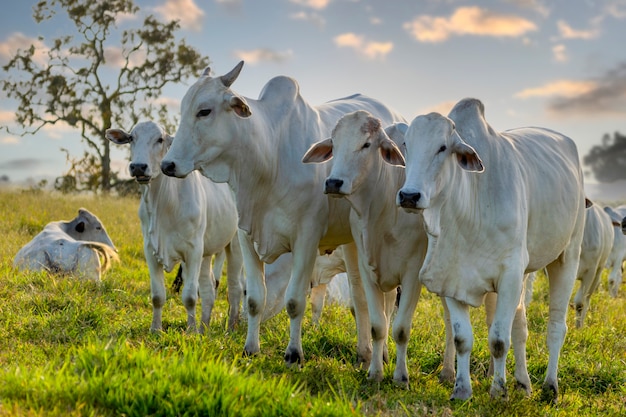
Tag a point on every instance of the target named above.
point(559, 64)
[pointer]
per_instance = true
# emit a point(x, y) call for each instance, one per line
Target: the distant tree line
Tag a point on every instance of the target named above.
point(608, 160)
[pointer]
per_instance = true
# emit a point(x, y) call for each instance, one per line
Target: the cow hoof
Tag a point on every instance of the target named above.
point(375, 376)
point(524, 387)
point(461, 394)
point(498, 392)
point(293, 358)
point(447, 376)
point(549, 393)
point(401, 381)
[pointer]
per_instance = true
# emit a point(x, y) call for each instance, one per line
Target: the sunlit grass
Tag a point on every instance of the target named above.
point(71, 347)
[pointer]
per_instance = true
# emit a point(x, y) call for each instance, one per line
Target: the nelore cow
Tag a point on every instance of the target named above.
point(80, 247)
point(615, 263)
point(183, 221)
point(595, 250)
point(389, 258)
point(256, 147)
point(496, 206)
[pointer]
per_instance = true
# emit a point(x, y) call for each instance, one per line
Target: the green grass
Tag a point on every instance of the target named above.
point(71, 347)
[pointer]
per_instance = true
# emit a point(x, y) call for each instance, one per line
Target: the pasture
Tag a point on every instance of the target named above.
point(71, 347)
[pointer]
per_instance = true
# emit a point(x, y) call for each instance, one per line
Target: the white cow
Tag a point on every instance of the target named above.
point(256, 146)
point(486, 230)
point(79, 247)
point(182, 220)
point(388, 256)
point(615, 263)
point(358, 146)
point(595, 250)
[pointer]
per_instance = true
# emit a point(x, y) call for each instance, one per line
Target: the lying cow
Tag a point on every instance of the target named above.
point(496, 206)
point(182, 220)
point(78, 247)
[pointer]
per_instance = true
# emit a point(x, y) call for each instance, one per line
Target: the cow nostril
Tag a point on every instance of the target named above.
point(333, 185)
point(409, 199)
point(138, 169)
point(168, 168)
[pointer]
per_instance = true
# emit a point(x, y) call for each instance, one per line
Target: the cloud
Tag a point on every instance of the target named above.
point(7, 117)
point(561, 88)
point(371, 50)
point(255, 56)
point(560, 53)
point(441, 108)
point(185, 11)
point(19, 41)
point(313, 4)
point(567, 32)
point(607, 96)
point(468, 21)
point(114, 57)
point(616, 10)
point(232, 6)
point(313, 18)
point(23, 164)
point(9, 140)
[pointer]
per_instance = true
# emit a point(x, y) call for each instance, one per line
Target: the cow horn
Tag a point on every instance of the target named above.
point(229, 79)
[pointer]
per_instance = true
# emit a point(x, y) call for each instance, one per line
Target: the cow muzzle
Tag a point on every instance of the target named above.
point(139, 172)
point(409, 200)
point(333, 186)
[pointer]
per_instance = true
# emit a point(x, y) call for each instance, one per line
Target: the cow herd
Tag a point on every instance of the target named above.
point(294, 193)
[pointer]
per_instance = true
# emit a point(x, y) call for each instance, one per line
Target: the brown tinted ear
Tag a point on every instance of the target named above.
point(319, 152)
point(466, 156)
point(240, 107)
point(117, 136)
point(390, 151)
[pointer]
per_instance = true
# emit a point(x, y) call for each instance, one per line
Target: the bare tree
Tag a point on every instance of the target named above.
point(72, 86)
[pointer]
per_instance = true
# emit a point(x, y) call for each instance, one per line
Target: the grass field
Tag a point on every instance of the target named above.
point(70, 347)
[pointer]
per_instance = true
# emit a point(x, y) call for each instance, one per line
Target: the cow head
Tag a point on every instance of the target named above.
point(432, 144)
point(148, 144)
point(210, 116)
point(87, 227)
point(357, 144)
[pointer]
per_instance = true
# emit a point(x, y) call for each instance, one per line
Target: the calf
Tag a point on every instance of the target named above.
point(615, 263)
point(79, 247)
point(182, 220)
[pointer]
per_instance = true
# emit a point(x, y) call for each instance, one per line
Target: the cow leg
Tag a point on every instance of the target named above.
point(390, 305)
point(463, 343)
point(206, 289)
point(447, 371)
point(296, 296)
point(519, 336)
point(490, 311)
point(500, 331)
point(378, 322)
point(359, 302)
point(411, 288)
point(255, 292)
point(561, 275)
point(234, 271)
point(318, 294)
point(191, 277)
point(157, 290)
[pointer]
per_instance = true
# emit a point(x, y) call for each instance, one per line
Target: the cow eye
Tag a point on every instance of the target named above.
point(160, 140)
point(203, 113)
point(366, 145)
point(442, 149)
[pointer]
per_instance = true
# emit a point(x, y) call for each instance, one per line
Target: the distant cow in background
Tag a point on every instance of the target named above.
point(79, 247)
point(183, 220)
point(618, 254)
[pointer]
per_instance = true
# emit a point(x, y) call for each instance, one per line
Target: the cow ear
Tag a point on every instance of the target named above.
point(616, 219)
point(118, 136)
point(390, 152)
point(466, 156)
point(319, 152)
point(239, 106)
point(80, 227)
